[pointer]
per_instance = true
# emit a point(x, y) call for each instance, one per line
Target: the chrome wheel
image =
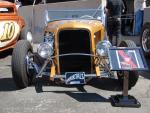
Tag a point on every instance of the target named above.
point(29, 60)
point(146, 40)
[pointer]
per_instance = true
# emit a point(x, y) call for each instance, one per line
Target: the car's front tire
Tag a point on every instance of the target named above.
point(19, 64)
point(133, 75)
point(133, 78)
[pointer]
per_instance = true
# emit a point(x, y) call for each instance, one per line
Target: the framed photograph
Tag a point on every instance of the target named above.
point(127, 59)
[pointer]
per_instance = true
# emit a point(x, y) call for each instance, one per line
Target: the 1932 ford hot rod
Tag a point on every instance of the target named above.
point(11, 25)
point(74, 50)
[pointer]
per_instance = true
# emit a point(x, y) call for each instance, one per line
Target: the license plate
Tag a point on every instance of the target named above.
point(73, 78)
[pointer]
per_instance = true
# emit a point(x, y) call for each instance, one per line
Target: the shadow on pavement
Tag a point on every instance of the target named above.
point(6, 53)
point(106, 84)
point(103, 83)
point(88, 97)
point(83, 96)
point(7, 84)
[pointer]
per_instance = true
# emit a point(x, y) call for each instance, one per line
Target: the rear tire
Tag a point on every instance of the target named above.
point(127, 43)
point(19, 64)
point(133, 75)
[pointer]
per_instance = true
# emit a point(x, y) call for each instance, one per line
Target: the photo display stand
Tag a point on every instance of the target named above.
point(126, 59)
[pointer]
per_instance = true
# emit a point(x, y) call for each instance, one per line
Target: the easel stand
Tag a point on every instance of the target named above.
point(124, 100)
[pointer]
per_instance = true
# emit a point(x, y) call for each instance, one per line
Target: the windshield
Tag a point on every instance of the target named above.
point(52, 15)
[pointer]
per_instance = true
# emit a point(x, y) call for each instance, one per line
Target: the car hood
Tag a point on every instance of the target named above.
point(93, 25)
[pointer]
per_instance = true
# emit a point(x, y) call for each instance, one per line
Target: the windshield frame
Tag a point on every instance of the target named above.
point(74, 14)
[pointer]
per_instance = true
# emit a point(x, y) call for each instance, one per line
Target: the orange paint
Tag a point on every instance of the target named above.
point(10, 16)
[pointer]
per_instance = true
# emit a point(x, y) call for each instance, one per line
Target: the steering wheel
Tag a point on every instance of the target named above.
point(86, 16)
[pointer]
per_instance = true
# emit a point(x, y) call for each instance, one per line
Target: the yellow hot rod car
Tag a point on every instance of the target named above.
point(74, 49)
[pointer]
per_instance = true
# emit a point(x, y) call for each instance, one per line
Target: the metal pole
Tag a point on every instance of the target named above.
point(43, 67)
point(125, 84)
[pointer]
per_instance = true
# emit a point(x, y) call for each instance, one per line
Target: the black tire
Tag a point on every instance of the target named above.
point(133, 75)
point(133, 78)
point(127, 43)
point(19, 64)
point(145, 35)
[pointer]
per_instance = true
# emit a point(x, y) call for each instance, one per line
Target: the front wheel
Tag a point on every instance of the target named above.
point(133, 75)
point(133, 78)
point(19, 64)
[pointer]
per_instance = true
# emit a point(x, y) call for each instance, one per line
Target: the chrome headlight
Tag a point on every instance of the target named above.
point(102, 47)
point(45, 50)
